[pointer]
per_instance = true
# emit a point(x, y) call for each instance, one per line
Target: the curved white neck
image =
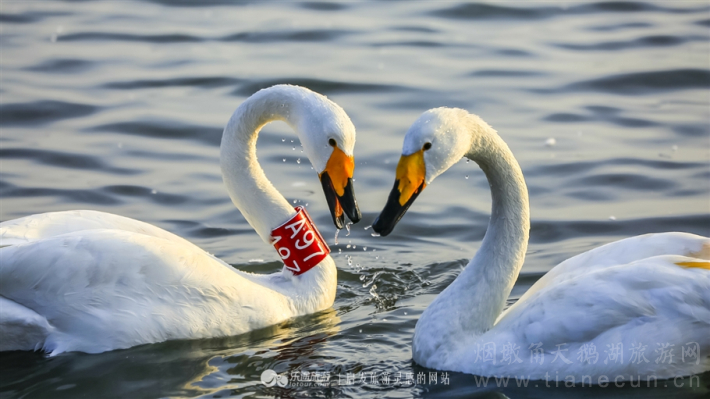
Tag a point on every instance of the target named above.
point(260, 203)
point(470, 305)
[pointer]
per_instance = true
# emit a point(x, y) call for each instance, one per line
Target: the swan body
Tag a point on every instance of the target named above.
point(635, 308)
point(91, 281)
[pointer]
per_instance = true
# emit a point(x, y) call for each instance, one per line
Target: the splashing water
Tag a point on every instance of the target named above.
point(373, 292)
point(347, 227)
point(337, 231)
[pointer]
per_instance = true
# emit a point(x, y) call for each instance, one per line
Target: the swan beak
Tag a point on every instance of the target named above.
point(337, 181)
point(408, 184)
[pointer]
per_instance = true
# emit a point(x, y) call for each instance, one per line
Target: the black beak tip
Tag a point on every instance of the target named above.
point(355, 214)
point(349, 203)
point(381, 230)
point(339, 221)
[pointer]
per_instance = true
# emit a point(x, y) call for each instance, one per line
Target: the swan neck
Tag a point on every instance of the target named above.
point(491, 274)
point(250, 190)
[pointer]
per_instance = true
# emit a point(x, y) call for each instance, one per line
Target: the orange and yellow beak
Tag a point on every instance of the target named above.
point(409, 183)
point(337, 181)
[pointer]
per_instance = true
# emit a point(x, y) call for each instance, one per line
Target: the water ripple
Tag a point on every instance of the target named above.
point(199, 81)
point(646, 82)
point(88, 196)
point(508, 73)
point(42, 112)
point(620, 26)
point(127, 37)
point(164, 130)
point(315, 35)
point(490, 11)
point(599, 114)
point(319, 85)
point(623, 181)
point(147, 193)
point(29, 17)
point(483, 11)
point(323, 6)
point(62, 65)
point(542, 231)
point(647, 41)
point(63, 160)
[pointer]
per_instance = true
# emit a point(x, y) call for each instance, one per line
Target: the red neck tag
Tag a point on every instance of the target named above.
point(299, 243)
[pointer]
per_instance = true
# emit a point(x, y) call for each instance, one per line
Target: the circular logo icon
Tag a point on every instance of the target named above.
point(270, 378)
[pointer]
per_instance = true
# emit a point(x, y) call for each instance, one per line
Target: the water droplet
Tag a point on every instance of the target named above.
point(306, 203)
point(337, 231)
point(367, 227)
point(466, 177)
point(405, 313)
point(550, 142)
point(360, 330)
point(468, 160)
point(372, 291)
point(364, 248)
point(154, 191)
point(347, 227)
point(612, 217)
point(283, 140)
point(284, 159)
point(293, 148)
point(292, 141)
point(354, 246)
point(298, 161)
point(294, 201)
point(347, 246)
point(375, 234)
point(374, 250)
point(350, 262)
point(384, 319)
point(340, 250)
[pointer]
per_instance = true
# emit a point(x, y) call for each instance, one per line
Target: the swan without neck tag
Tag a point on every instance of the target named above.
point(299, 243)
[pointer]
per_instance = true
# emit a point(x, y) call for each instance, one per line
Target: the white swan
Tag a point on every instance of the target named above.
point(92, 282)
point(635, 308)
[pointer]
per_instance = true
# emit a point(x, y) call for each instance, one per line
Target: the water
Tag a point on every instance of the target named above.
point(119, 106)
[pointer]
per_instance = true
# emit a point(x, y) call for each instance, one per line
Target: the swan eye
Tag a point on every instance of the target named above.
point(426, 146)
point(332, 142)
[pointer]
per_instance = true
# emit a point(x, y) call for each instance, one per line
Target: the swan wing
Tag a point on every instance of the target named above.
point(107, 289)
point(651, 302)
point(620, 253)
point(50, 224)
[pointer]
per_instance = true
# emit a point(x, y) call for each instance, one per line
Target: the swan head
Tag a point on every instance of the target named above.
point(328, 138)
point(438, 139)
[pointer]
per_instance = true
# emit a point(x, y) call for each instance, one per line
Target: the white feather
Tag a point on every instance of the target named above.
point(638, 291)
point(91, 281)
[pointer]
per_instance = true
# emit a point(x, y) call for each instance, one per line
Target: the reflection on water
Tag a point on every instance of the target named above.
point(120, 108)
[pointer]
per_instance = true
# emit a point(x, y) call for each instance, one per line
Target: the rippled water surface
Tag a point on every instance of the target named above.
point(119, 106)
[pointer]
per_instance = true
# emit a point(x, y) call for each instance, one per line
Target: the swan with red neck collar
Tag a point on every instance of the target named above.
point(92, 281)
